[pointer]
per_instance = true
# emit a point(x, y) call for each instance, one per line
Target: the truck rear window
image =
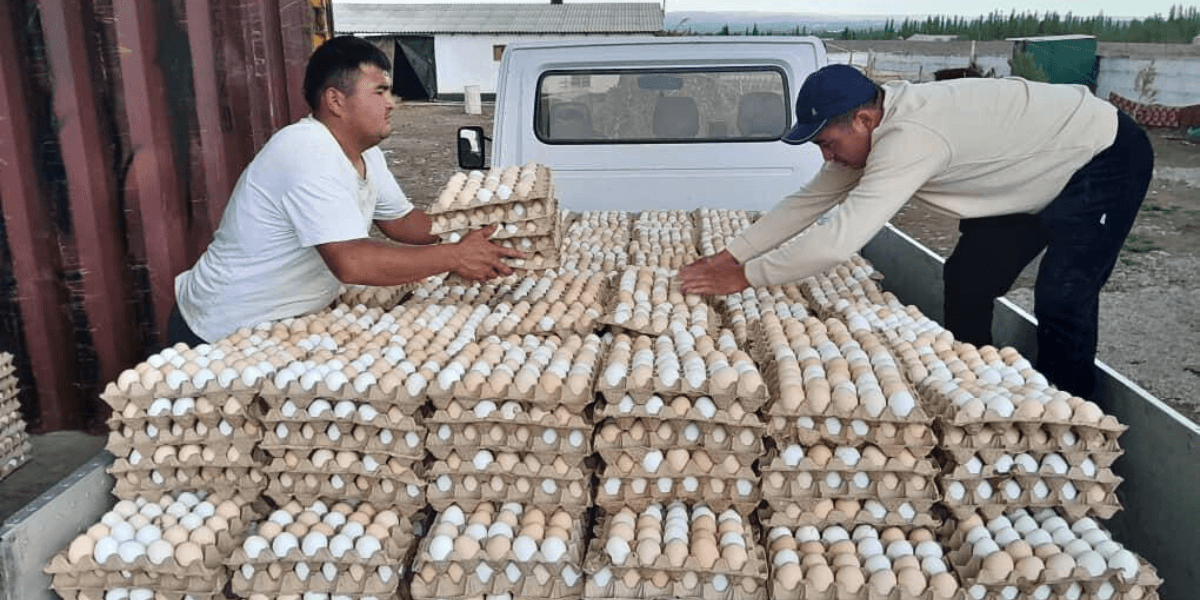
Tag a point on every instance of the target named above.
point(663, 106)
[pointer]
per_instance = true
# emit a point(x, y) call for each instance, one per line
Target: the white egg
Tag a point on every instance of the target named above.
point(440, 547)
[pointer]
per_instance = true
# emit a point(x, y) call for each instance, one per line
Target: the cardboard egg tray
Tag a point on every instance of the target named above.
point(204, 576)
point(468, 379)
point(743, 312)
point(355, 581)
point(547, 436)
point(619, 379)
point(143, 399)
point(395, 549)
point(808, 587)
point(808, 480)
point(623, 460)
point(890, 437)
point(452, 196)
point(467, 486)
point(165, 587)
point(402, 439)
point(235, 411)
point(539, 227)
point(403, 488)
point(852, 281)
point(805, 384)
point(652, 291)
point(1095, 496)
point(132, 481)
point(719, 226)
point(14, 451)
point(394, 389)
point(824, 512)
point(235, 453)
point(374, 296)
point(719, 435)
point(14, 442)
point(541, 580)
point(969, 570)
point(661, 255)
point(639, 489)
point(160, 592)
point(543, 210)
point(558, 310)
point(663, 578)
point(990, 441)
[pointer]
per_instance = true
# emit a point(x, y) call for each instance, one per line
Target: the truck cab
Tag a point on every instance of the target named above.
point(662, 123)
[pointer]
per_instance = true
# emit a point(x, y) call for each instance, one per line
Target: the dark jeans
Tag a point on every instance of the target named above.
point(1082, 231)
point(178, 330)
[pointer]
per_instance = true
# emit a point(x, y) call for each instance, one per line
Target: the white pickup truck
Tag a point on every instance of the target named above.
point(670, 122)
point(679, 122)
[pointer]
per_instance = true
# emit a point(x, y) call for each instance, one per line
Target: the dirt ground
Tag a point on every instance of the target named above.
point(1150, 308)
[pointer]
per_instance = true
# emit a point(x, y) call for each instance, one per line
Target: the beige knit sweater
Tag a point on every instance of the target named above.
point(966, 148)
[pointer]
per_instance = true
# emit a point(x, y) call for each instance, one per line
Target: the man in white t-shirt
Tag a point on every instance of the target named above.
point(296, 226)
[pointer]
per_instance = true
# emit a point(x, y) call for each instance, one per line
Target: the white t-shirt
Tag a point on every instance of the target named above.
point(301, 190)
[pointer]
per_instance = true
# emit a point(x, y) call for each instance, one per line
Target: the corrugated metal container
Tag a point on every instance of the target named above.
point(1064, 58)
point(123, 127)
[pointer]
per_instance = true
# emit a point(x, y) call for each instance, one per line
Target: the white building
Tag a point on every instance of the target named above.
point(439, 49)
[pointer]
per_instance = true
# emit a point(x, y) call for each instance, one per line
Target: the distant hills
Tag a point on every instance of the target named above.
point(767, 22)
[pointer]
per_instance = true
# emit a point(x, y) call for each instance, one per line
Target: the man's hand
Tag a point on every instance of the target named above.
point(714, 275)
point(477, 259)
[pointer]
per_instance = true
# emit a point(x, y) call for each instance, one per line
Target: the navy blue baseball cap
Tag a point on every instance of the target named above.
point(828, 92)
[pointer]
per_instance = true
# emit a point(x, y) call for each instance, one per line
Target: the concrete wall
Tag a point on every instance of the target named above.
point(1169, 81)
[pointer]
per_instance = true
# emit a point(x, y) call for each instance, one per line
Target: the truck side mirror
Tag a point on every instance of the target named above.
point(471, 152)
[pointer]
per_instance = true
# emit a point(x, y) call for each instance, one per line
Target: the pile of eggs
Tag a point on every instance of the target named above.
point(343, 548)
point(685, 553)
point(853, 280)
point(483, 475)
point(686, 362)
point(14, 442)
point(196, 443)
point(636, 479)
point(665, 239)
point(509, 425)
point(209, 369)
point(890, 318)
point(549, 305)
point(547, 369)
point(807, 562)
point(595, 242)
point(518, 550)
point(343, 425)
point(175, 544)
point(718, 227)
point(649, 301)
point(310, 474)
point(1047, 555)
point(821, 371)
point(822, 471)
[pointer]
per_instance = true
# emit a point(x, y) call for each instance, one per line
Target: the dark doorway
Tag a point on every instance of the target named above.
point(415, 76)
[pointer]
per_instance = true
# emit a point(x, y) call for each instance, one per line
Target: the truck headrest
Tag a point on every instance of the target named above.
point(676, 117)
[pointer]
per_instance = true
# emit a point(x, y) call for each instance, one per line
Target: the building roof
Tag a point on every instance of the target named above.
point(606, 17)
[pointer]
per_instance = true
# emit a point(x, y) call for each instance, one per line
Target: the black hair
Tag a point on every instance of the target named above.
point(876, 101)
point(336, 64)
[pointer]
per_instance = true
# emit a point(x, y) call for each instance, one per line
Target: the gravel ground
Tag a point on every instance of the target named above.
point(1150, 309)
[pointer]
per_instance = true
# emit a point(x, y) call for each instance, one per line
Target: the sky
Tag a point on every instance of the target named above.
point(966, 8)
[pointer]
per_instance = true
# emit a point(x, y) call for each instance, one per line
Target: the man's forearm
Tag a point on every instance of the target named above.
point(412, 228)
point(374, 262)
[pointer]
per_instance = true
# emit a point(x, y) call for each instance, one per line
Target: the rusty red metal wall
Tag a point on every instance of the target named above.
point(124, 125)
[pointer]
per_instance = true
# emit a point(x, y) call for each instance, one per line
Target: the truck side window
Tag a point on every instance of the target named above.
point(761, 114)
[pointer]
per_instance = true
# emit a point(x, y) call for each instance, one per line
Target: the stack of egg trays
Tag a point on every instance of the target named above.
point(204, 579)
point(189, 438)
point(653, 246)
point(453, 576)
point(14, 442)
point(638, 441)
point(742, 312)
point(348, 575)
point(501, 381)
point(390, 433)
point(851, 281)
point(662, 578)
point(714, 236)
point(796, 576)
point(689, 311)
point(802, 412)
point(724, 376)
point(1138, 580)
point(998, 461)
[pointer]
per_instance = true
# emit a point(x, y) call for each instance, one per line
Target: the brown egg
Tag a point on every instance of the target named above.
point(735, 556)
point(677, 553)
point(911, 580)
point(996, 568)
point(820, 577)
point(466, 547)
point(850, 578)
point(705, 552)
point(883, 581)
point(944, 586)
point(1029, 568)
point(498, 547)
point(788, 576)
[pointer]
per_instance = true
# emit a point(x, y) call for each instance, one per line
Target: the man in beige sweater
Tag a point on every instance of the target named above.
point(1026, 166)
